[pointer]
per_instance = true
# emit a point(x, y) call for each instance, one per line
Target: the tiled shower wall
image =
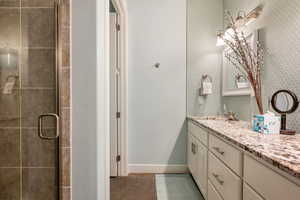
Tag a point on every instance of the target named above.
point(65, 99)
point(27, 162)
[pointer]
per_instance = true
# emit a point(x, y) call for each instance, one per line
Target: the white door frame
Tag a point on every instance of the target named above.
point(103, 111)
point(120, 6)
point(114, 94)
point(103, 74)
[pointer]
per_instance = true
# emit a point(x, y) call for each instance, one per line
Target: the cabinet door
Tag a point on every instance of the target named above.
point(191, 154)
point(249, 194)
point(228, 184)
point(268, 183)
point(201, 167)
point(212, 193)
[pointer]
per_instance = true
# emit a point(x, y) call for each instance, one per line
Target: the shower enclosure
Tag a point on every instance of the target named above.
point(29, 104)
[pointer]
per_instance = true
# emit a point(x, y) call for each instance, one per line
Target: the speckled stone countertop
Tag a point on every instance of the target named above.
point(279, 150)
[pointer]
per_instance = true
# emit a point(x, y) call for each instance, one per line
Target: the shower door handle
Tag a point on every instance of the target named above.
point(40, 126)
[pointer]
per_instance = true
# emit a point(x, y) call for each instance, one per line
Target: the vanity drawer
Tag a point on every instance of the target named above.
point(250, 194)
point(212, 193)
point(269, 184)
point(200, 133)
point(231, 156)
point(225, 181)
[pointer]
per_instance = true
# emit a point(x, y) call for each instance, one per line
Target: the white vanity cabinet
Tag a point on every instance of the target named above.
point(197, 161)
point(225, 168)
point(229, 155)
point(223, 171)
point(207, 156)
point(201, 176)
point(191, 157)
point(250, 194)
point(212, 193)
point(268, 183)
point(224, 180)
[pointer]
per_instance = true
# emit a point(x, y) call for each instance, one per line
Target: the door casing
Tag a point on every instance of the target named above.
point(114, 97)
point(122, 103)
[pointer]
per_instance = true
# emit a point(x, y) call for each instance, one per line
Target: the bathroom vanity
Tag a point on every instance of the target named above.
point(229, 161)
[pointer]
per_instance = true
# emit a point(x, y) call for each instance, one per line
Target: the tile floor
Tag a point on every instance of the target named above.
point(176, 187)
point(154, 187)
point(133, 187)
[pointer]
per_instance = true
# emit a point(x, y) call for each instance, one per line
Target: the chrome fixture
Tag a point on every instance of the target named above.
point(231, 116)
point(40, 127)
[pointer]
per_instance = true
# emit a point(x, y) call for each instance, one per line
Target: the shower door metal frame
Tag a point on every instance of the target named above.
point(57, 50)
point(56, 115)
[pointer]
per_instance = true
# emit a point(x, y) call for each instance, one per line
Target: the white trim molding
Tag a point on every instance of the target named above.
point(103, 122)
point(156, 169)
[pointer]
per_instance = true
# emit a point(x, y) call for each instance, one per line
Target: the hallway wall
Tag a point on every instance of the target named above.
point(157, 100)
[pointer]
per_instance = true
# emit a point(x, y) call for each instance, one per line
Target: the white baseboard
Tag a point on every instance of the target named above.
point(156, 169)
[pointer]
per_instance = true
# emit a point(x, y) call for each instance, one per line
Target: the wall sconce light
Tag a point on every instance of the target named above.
point(220, 41)
point(224, 35)
point(241, 21)
point(254, 14)
point(244, 20)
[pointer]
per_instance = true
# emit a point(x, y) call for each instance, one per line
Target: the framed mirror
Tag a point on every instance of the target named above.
point(235, 83)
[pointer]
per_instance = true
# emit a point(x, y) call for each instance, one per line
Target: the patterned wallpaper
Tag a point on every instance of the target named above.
point(279, 32)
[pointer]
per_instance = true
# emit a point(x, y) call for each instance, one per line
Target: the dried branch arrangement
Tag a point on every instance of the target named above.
point(246, 57)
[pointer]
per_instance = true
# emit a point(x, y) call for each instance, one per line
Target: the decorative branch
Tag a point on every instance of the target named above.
point(248, 59)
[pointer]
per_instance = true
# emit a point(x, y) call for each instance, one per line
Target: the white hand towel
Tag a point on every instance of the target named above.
point(206, 88)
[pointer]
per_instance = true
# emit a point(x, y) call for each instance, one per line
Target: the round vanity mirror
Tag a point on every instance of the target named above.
point(285, 102)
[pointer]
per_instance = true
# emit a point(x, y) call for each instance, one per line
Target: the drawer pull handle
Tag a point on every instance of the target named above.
point(217, 149)
point(194, 148)
point(217, 177)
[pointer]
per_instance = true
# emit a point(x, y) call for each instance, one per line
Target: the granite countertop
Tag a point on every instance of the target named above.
point(281, 151)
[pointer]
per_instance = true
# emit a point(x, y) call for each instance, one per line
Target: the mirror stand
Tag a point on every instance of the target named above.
point(283, 130)
point(285, 102)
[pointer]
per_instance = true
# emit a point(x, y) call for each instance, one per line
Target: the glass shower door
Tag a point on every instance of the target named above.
point(28, 92)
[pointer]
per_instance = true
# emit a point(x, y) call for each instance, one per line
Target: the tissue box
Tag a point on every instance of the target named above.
point(267, 124)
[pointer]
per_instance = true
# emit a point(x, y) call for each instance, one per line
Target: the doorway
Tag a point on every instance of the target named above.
point(115, 117)
point(118, 89)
